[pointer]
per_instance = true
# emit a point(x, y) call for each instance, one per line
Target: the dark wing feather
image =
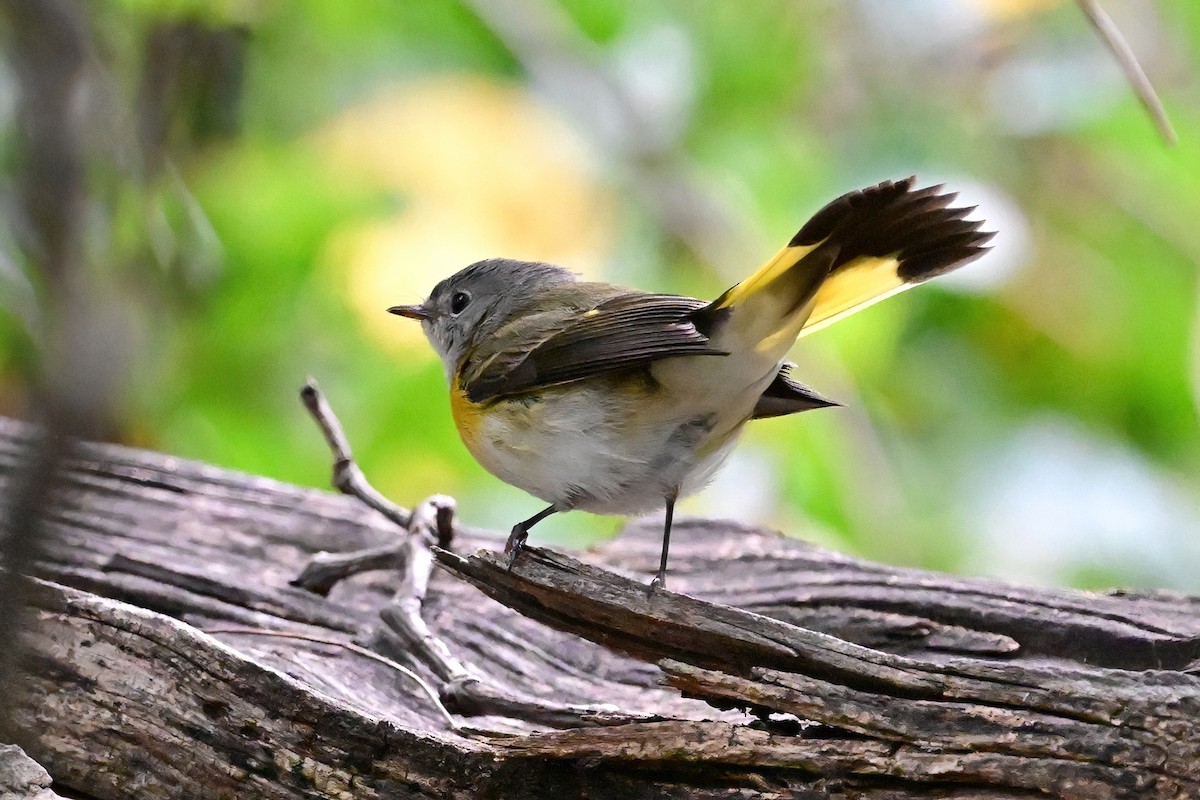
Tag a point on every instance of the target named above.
point(623, 332)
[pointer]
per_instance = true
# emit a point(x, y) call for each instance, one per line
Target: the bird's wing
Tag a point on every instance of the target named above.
point(629, 330)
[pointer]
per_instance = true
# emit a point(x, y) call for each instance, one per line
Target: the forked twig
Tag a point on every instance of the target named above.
point(324, 570)
point(462, 688)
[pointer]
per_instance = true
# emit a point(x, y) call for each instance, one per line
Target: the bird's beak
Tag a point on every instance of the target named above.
point(412, 312)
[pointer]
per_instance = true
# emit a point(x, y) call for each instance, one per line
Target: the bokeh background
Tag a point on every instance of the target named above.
point(262, 179)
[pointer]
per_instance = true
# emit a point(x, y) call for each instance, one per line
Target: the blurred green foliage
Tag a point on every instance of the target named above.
point(1035, 418)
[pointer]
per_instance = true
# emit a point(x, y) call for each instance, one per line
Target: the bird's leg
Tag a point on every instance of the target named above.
point(520, 532)
point(660, 580)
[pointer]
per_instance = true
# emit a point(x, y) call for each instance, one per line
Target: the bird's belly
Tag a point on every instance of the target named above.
point(600, 446)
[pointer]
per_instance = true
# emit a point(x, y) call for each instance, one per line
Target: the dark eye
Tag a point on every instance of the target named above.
point(459, 301)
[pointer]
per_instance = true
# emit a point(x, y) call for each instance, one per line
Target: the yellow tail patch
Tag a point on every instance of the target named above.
point(783, 261)
point(853, 287)
point(857, 250)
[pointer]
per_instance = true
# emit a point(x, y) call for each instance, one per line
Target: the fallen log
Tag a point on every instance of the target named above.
point(773, 668)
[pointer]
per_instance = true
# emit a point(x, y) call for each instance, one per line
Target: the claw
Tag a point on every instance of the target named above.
point(515, 543)
point(520, 532)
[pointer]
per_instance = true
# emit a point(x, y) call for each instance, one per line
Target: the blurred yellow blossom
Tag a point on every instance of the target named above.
point(1013, 9)
point(482, 168)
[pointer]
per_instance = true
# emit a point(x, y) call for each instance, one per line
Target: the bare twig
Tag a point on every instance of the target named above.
point(402, 616)
point(1134, 73)
point(324, 570)
point(347, 477)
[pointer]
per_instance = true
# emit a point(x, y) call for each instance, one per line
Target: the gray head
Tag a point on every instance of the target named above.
point(476, 300)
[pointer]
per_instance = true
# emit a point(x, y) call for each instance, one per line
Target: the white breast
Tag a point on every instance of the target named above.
point(606, 445)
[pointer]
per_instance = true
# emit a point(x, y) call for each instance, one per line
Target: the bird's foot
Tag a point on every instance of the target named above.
point(515, 543)
point(658, 584)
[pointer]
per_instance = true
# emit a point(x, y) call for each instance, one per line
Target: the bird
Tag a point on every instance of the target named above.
point(607, 399)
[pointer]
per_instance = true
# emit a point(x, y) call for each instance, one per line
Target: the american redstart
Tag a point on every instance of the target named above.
point(611, 400)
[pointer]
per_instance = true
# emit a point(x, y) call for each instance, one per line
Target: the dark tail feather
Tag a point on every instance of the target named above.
point(893, 219)
point(888, 237)
point(788, 396)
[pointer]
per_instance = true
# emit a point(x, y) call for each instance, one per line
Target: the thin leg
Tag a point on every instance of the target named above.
point(520, 532)
point(660, 580)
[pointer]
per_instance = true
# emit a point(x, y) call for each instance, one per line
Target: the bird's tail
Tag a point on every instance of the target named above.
point(862, 247)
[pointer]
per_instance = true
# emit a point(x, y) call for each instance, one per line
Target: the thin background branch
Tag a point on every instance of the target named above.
point(1134, 73)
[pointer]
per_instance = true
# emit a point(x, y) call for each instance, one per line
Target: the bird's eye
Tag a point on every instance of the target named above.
point(459, 301)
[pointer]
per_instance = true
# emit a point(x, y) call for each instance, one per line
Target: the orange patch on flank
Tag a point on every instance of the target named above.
point(468, 416)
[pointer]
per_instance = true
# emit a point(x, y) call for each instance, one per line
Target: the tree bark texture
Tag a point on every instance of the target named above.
point(22, 778)
point(773, 669)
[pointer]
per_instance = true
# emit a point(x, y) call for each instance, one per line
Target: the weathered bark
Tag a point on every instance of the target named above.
point(902, 683)
point(22, 778)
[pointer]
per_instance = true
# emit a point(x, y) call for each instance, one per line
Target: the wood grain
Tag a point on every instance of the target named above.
point(775, 670)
